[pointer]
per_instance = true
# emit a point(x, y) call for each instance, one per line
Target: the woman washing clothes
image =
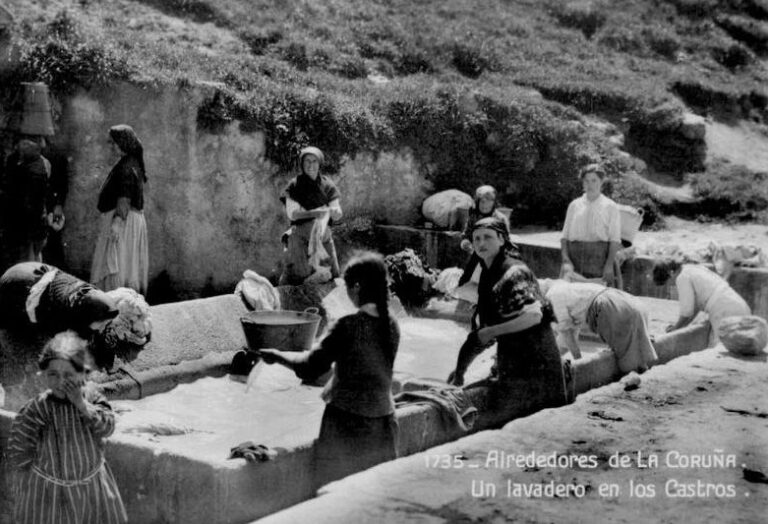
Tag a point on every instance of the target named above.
point(311, 202)
point(37, 295)
point(616, 316)
point(592, 233)
point(513, 312)
point(700, 289)
point(121, 257)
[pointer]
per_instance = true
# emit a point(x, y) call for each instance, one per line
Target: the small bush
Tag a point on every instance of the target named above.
point(623, 39)
point(296, 54)
point(64, 65)
point(214, 113)
point(696, 8)
point(411, 61)
point(259, 41)
point(472, 59)
point(734, 56)
point(662, 42)
point(352, 67)
point(584, 15)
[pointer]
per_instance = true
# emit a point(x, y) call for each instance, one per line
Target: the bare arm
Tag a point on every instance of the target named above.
point(530, 316)
point(295, 212)
point(569, 337)
point(123, 206)
point(608, 275)
point(682, 321)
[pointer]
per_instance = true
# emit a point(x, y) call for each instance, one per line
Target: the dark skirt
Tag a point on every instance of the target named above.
point(589, 258)
point(349, 443)
point(529, 362)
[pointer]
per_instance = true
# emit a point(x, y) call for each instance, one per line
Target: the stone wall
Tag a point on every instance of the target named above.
point(212, 205)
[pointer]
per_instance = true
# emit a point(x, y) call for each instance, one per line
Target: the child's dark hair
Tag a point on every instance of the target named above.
point(68, 346)
point(663, 269)
point(369, 271)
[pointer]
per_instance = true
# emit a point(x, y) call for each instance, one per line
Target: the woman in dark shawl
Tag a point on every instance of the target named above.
point(121, 258)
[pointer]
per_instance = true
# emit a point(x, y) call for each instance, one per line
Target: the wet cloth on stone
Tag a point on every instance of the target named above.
point(252, 452)
point(618, 318)
point(257, 292)
point(456, 410)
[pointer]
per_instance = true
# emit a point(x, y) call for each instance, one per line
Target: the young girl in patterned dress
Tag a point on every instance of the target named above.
point(358, 429)
point(56, 446)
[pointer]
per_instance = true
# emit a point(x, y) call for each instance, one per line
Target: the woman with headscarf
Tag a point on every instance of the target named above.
point(592, 232)
point(513, 312)
point(121, 258)
point(486, 206)
point(311, 201)
point(699, 289)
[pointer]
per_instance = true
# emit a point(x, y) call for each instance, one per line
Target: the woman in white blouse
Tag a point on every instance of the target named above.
point(699, 289)
point(592, 232)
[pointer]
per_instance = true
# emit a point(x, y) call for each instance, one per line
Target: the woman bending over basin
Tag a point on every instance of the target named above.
point(358, 429)
point(700, 289)
point(616, 316)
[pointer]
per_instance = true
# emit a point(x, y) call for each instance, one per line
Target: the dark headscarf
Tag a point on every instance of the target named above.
point(125, 138)
point(497, 225)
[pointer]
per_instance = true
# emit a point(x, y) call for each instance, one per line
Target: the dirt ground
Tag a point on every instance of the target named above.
point(691, 443)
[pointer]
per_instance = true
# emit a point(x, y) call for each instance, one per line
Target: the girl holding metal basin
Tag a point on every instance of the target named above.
point(358, 429)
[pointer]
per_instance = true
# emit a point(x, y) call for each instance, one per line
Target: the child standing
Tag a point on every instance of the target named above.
point(56, 445)
point(359, 429)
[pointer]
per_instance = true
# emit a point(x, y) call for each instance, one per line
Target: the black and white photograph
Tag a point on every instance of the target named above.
point(383, 261)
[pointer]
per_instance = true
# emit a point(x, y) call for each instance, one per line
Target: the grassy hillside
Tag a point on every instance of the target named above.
point(518, 93)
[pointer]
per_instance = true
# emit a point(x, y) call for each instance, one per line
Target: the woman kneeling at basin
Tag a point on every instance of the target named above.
point(700, 289)
point(512, 311)
point(359, 429)
point(616, 316)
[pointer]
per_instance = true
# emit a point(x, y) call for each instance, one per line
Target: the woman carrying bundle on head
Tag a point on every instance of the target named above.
point(359, 428)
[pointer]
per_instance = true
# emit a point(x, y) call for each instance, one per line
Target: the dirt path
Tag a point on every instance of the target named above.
point(703, 407)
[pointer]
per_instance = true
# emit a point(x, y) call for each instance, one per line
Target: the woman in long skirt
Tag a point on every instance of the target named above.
point(121, 258)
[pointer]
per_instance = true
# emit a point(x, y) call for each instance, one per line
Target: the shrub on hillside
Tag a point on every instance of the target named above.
point(731, 191)
point(471, 59)
point(295, 53)
point(733, 56)
point(259, 41)
point(64, 57)
point(696, 8)
point(585, 15)
point(751, 32)
point(662, 42)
